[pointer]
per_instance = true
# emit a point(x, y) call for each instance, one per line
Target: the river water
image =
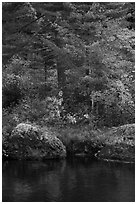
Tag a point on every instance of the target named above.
point(81, 180)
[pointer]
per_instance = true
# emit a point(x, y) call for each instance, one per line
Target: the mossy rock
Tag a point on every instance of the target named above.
point(118, 152)
point(120, 144)
point(28, 142)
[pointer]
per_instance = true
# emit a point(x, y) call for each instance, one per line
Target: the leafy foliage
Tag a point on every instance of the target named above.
point(84, 50)
point(12, 90)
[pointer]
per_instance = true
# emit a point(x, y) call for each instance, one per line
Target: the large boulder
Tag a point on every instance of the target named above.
point(119, 144)
point(28, 142)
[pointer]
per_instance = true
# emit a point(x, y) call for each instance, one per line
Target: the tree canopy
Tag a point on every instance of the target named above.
point(83, 49)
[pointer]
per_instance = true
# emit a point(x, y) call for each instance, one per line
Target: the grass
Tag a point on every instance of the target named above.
point(110, 136)
point(69, 133)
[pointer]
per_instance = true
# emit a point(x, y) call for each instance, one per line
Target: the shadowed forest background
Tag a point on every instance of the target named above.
point(68, 64)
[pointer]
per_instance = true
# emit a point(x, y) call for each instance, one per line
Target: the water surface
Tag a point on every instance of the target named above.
point(81, 180)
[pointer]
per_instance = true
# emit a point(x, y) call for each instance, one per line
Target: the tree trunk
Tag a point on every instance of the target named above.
point(97, 105)
point(92, 104)
point(45, 72)
point(61, 76)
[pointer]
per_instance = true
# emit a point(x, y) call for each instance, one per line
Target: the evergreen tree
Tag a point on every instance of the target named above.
point(89, 44)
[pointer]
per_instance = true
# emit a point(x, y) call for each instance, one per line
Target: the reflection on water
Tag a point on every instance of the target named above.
point(68, 180)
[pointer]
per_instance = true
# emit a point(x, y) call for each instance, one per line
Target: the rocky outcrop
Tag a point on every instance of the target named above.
point(119, 144)
point(27, 142)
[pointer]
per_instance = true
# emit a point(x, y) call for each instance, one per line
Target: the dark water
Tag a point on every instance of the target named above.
point(69, 180)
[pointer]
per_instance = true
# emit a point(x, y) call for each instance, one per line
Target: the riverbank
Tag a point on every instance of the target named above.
point(117, 143)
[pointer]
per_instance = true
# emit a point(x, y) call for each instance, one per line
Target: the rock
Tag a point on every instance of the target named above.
point(27, 142)
point(120, 145)
point(119, 152)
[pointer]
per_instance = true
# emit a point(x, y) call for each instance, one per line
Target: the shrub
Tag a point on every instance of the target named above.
point(12, 90)
point(44, 89)
point(9, 121)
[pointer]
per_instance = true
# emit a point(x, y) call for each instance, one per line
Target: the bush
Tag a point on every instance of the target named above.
point(12, 90)
point(17, 66)
point(36, 110)
point(44, 89)
point(9, 121)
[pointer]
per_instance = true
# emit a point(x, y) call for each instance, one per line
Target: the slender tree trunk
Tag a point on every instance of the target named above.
point(97, 108)
point(92, 104)
point(61, 76)
point(45, 72)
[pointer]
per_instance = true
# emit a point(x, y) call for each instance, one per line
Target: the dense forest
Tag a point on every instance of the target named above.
point(68, 101)
point(68, 63)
